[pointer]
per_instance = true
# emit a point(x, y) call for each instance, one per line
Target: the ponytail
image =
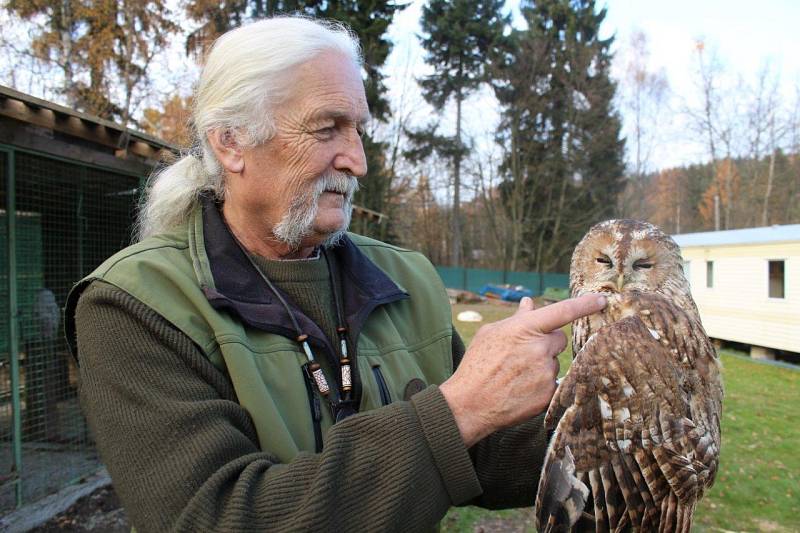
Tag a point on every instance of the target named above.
point(172, 192)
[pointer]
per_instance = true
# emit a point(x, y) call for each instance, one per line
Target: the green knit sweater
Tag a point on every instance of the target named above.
point(307, 283)
point(183, 454)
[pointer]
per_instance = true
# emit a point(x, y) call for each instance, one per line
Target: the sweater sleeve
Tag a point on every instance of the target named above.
point(508, 462)
point(184, 456)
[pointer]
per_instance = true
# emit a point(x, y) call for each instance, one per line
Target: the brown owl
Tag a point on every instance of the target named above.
point(637, 418)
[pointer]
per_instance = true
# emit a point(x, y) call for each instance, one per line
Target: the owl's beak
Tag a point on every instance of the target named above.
point(620, 281)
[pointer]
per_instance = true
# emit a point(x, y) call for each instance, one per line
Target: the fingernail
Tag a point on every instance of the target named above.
point(601, 300)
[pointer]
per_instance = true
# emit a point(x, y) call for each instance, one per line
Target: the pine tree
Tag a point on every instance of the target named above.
point(565, 153)
point(459, 37)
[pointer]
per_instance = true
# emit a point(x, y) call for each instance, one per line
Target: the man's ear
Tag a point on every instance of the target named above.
point(227, 150)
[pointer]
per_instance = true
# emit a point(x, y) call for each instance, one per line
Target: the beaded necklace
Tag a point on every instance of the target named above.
point(341, 402)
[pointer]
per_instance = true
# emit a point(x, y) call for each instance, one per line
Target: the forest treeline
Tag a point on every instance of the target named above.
point(557, 161)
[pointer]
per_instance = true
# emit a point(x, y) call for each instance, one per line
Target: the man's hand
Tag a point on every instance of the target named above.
point(508, 374)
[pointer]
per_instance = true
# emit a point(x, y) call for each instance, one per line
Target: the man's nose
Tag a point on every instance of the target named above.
point(351, 157)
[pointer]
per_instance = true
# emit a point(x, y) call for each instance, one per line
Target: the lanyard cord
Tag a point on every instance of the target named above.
point(314, 367)
point(340, 408)
point(341, 330)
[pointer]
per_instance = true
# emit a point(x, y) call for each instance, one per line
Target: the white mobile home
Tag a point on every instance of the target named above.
point(746, 283)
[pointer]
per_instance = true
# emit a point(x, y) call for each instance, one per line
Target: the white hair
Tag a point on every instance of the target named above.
point(244, 78)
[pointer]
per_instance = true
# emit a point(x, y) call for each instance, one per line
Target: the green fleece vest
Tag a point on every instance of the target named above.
point(404, 340)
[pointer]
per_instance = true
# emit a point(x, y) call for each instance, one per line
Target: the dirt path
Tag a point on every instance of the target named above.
point(99, 511)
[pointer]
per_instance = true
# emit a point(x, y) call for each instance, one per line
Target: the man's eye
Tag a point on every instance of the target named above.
point(326, 131)
point(361, 131)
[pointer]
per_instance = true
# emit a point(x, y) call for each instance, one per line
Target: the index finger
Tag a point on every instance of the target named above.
point(562, 313)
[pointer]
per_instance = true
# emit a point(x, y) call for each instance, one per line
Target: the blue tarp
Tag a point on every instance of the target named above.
point(513, 293)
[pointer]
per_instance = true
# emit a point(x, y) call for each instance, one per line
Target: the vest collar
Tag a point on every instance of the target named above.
point(231, 282)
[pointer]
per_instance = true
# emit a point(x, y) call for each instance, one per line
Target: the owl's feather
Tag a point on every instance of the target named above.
point(636, 419)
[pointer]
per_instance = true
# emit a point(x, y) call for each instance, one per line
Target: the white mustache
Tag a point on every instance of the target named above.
point(344, 184)
point(297, 222)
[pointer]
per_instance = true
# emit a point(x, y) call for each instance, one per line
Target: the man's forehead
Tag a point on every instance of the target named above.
point(328, 86)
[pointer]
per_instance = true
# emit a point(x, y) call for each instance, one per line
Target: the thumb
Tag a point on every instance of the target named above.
point(525, 304)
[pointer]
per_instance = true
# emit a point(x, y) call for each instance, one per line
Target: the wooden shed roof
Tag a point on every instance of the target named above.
point(57, 118)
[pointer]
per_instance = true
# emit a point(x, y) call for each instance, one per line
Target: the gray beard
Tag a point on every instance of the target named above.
point(298, 222)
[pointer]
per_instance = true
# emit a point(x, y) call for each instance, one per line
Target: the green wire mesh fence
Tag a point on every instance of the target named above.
point(58, 221)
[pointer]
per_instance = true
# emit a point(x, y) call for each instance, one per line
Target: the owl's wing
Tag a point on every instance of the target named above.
point(636, 435)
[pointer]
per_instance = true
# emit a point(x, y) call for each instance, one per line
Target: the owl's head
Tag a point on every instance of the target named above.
point(617, 256)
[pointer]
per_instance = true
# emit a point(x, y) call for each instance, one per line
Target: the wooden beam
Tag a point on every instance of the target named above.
point(368, 214)
point(26, 108)
point(46, 118)
point(26, 135)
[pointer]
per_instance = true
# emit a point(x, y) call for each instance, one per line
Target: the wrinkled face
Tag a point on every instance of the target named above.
point(302, 180)
point(619, 256)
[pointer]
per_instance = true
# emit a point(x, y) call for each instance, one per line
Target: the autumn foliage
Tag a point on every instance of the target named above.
point(172, 122)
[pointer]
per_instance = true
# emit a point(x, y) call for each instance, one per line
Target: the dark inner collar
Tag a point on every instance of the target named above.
point(239, 288)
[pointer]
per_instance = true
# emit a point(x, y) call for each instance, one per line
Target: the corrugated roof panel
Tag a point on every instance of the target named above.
point(789, 232)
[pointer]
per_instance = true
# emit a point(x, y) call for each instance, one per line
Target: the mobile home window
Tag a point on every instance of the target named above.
point(777, 283)
point(709, 274)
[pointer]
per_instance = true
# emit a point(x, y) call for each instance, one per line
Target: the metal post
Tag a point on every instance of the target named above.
point(81, 222)
point(13, 325)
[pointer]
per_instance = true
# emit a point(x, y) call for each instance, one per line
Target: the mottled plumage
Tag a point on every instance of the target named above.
point(636, 419)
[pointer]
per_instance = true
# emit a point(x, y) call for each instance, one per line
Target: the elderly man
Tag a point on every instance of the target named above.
point(249, 366)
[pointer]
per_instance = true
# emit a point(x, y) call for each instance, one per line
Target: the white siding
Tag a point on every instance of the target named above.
point(738, 308)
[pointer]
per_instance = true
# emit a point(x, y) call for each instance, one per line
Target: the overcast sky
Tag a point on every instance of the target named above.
point(744, 34)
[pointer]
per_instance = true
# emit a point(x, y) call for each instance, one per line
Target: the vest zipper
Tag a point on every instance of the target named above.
point(386, 398)
point(314, 405)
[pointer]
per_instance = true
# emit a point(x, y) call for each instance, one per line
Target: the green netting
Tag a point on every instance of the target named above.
point(6, 411)
point(472, 279)
point(69, 217)
point(29, 267)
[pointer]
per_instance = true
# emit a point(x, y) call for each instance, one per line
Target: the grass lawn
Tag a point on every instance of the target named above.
point(758, 485)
